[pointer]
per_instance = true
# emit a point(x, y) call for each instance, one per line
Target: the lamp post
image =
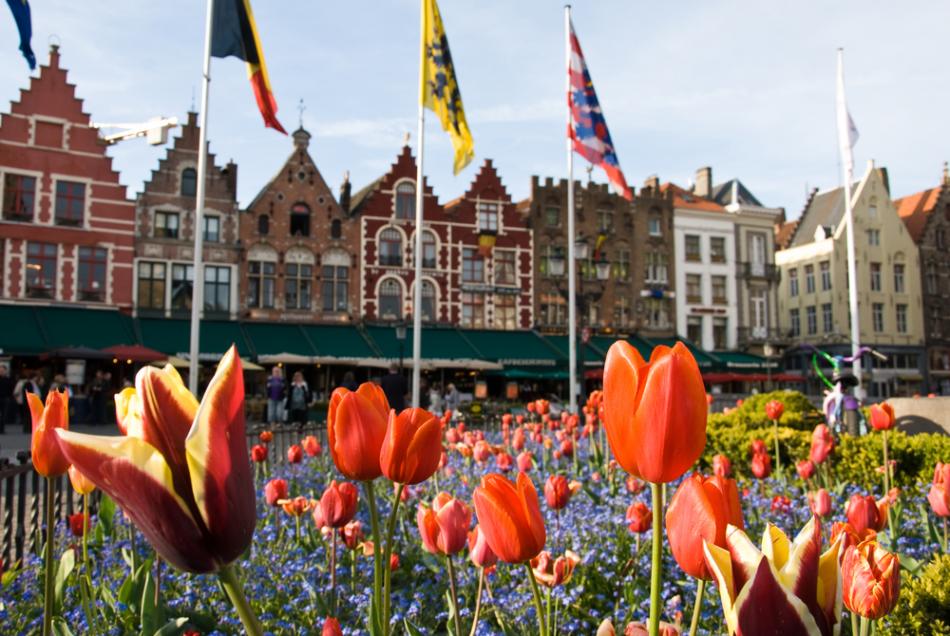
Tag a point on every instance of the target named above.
point(401, 337)
point(768, 351)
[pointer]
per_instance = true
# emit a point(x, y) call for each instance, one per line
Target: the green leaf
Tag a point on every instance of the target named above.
point(593, 495)
point(106, 515)
point(908, 563)
point(130, 593)
point(152, 613)
point(411, 630)
point(60, 627)
point(66, 564)
point(8, 577)
point(172, 627)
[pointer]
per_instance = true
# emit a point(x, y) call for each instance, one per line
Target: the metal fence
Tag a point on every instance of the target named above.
point(23, 492)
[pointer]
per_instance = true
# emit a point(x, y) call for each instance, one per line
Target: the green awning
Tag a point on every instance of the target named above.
point(530, 373)
point(344, 342)
point(442, 347)
point(513, 348)
point(268, 339)
point(74, 327)
point(743, 362)
point(21, 333)
point(591, 353)
point(173, 337)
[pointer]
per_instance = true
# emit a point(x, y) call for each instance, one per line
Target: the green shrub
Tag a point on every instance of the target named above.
point(727, 435)
point(799, 413)
point(924, 604)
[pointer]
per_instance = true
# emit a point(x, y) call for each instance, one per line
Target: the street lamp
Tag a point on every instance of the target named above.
point(580, 249)
point(556, 263)
point(401, 337)
point(603, 269)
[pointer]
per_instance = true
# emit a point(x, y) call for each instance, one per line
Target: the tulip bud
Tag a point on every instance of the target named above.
point(758, 446)
point(606, 628)
point(275, 490)
point(939, 495)
point(525, 461)
point(722, 467)
point(557, 491)
point(331, 627)
point(311, 446)
point(699, 512)
point(266, 437)
point(639, 517)
point(504, 461)
point(805, 469)
point(352, 534)
point(870, 577)
point(80, 482)
point(864, 512)
point(258, 453)
point(48, 459)
point(294, 454)
point(510, 517)
point(822, 443)
point(820, 502)
point(412, 448)
point(444, 525)
point(337, 506)
point(761, 465)
point(774, 409)
point(78, 523)
point(479, 551)
point(882, 416)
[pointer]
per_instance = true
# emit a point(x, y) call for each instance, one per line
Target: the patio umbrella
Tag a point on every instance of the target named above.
point(82, 353)
point(135, 353)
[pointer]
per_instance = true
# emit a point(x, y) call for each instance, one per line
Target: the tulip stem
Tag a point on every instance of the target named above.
point(656, 574)
point(494, 606)
point(455, 598)
point(854, 624)
point(887, 467)
point(538, 608)
point(377, 571)
point(478, 600)
point(232, 586)
point(387, 556)
point(945, 545)
point(333, 532)
point(48, 561)
point(697, 608)
point(865, 624)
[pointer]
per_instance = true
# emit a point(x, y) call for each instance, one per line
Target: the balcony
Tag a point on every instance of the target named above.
point(760, 335)
point(766, 271)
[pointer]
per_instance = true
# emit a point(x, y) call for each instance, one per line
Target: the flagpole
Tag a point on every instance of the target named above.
point(571, 265)
point(197, 286)
point(847, 169)
point(417, 249)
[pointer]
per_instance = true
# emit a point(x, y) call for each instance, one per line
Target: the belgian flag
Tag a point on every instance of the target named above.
point(235, 34)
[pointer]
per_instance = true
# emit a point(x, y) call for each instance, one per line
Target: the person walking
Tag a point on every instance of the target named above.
point(435, 399)
point(452, 399)
point(27, 384)
point(395, 387)
point(275, 397)
point(96, 393)
point(298, 400)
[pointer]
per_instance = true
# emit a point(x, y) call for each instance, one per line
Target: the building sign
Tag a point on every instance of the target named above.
point(526, 362)
point(75, 371)
point(718, 311)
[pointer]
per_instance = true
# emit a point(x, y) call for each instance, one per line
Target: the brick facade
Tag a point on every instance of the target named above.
point(66, 226)
point(164, 230)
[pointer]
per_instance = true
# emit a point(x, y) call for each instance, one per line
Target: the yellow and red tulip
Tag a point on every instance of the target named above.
point(183, 477)
point(553, 572)
point(80, 482)
point(654, 412)
point(789, 587)
point(871, 579)
point(48, 459)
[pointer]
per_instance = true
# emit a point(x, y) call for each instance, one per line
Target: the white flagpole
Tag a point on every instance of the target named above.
point(571, 265)
point(845, 143)
point(417, 250)
point(197, 287)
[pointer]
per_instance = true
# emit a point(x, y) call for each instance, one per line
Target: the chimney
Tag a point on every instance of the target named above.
point(345, 190)
point(703, 187)
point(652, 182)
point(230, 175)
point(886, 180)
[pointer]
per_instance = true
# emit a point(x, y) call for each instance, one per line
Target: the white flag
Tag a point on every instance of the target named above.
point(847, 131)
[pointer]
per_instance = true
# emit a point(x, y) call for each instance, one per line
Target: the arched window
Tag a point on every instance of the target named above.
point(300, 220)
point(390, 247)
point(390, 299)
point(189, 182)
point(263, 225)
point(406, 200)
point(336, 229)
point(428, 250)
point(428, 301)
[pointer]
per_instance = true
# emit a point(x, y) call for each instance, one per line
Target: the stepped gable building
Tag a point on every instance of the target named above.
point(813, 295)
point(625, 276)
point(300, 262)
point(926, 215)
point(757, 278)
point(66, 225)
point(164, 231)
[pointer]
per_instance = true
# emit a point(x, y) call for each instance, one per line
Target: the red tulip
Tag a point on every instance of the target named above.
point(774, 409)
point(761, 465)
point(805, 469)
point(820, 502)
point(481, 451)
point(567, 448)
point(356, 428)
point(525, 461)
point(517, 440)
point(639, 629)
point(506, 419)
point(639, 518)
point(352, 534)
point(557, 491)
point(722, 466)
point(393, 562)
point(504, 461)
point(699, 512)
point(444, 525)
point(871, 579)
point(939, 495)
point(412, 446)
point(48, 458)
point(185, 478)
point(553, 572)
point(337, 506)
point(530, 406)
point(479, 551)
point(882, 416)
point(541, 407)
point(331, 627)
point(297, 506)
point(258, 453)
point(864, 512)
point(758, 446)
point(822, 443)
point(266, 437)
point(77, 523)
point(655, 412)
point(294, 454)
point(781, 503)
point(849, 536)
point(519, 419)
point(311, 446)
point(274, 491)
point(510, 517)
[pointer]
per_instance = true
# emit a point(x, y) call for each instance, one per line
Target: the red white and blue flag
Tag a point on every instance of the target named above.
point(588, 128)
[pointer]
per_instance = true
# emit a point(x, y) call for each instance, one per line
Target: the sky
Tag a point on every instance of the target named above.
point(745, 87)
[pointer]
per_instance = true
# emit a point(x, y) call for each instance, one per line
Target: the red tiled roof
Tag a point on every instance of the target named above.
point(913, 210)
point(783, 233)
point(685, 199)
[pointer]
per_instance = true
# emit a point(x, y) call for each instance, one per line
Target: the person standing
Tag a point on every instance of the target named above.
point(298, 400)
point(6, 396)
point(349, 381)
point(96, 392)
point(452, 399)
point(27, 384)
point(395, 387)
point(275, 397)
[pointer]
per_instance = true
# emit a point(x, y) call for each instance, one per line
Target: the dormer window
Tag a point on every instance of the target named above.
point(487, 217)
point(263, 225)
point(300, 220)
point(406, 200)
point(189, 182)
